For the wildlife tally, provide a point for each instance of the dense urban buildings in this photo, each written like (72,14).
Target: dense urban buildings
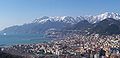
(72,46)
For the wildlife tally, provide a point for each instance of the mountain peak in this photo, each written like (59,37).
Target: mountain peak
(63,19)
(100,17)
(110,14)
(73,20)
(103,22)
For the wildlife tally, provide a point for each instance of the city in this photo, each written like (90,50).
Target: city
(59,29)
(74,46)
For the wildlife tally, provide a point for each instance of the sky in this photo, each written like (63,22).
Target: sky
(17,12)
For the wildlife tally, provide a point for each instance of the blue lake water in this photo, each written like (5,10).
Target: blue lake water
(22,39)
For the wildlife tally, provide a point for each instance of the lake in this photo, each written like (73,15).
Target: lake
(22,39)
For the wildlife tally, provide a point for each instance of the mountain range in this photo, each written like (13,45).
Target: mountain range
(106,23)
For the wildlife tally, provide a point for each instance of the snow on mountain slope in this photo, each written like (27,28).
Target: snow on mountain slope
(64,19)
(74,20)
(44,23)
(98,18)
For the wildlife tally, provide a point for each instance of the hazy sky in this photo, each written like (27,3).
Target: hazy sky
(13,12)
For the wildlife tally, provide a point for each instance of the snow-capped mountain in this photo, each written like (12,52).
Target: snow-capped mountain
(107,26)
(40,25)
(98,18)
(64,19)
(74,20)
